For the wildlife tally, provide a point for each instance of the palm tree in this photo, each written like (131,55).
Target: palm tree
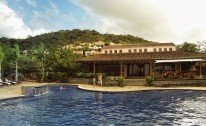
(16,56)
(1,59)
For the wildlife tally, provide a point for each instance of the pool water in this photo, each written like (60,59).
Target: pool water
(73,106)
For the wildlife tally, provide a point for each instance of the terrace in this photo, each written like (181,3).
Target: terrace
(160,65)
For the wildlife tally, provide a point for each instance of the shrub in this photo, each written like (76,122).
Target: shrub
(120,80)
(57,76)
(80,75)
(62,77)
(149,80)
(104,75)
(89,75)
(52,77)
(98,74)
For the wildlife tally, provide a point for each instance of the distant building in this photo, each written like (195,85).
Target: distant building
(150,47)
(99,43)
(79,52)
(79,47)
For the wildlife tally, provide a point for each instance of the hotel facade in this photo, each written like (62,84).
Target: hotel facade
(160,60)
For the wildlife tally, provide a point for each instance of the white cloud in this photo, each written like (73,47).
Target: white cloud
(12,25)
(32,3)
(39,31)
(156,20)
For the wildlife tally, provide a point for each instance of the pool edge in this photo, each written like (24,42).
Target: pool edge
(134,88)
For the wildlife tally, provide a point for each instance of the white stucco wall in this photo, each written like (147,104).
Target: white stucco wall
(126,49)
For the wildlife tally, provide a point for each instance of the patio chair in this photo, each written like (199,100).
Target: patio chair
(12,82)
(1,84)
(5,83)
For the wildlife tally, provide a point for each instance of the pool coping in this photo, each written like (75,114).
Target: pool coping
(134,88)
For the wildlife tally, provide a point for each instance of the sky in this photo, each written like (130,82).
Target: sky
(174,21)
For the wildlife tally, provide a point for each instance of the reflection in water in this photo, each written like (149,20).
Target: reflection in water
(98,96)
(76,107)
(193,111)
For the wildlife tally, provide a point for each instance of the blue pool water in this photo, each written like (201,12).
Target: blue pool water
(72,106)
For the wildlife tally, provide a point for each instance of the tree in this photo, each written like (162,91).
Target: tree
(188,47)
(1,59)
(41,57)
(61,63)
(106,44)
(28,64)
(16,56)
(202,46)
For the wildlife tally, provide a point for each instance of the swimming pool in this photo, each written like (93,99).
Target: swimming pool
(73,106)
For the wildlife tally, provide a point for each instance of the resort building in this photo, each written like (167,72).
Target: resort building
(160,60)
(151,47)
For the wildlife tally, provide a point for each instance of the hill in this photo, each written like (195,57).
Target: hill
(75,36)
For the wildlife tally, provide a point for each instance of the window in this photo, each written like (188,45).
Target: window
(155,50)
(140,50)
(160,49)
(105,52)
(120,51)
(135,50)
(115,51)
(170,49)
(110,51)
(129,50)
(165,49)
(145,50)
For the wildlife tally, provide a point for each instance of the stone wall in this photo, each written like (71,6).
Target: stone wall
(141,82)
(135,82)
(80,81)
(128,82)
(180,83)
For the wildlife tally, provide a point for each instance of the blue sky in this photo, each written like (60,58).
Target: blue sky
(51,14)
(155,20)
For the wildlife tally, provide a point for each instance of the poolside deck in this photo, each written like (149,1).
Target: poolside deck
(15,90)
(133,88)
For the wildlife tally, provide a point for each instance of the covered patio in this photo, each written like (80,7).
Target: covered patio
(160,65)
(126,69)
(180,69)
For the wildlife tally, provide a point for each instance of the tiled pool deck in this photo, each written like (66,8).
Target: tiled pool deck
(15,91)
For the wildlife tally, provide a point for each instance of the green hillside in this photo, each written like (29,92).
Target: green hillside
(66,37)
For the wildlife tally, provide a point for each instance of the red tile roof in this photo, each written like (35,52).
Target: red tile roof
(139,45)
(140,57)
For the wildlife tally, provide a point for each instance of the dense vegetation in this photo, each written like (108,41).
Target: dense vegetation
(43,57)
(66,37)
(40,63)
(188,47)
